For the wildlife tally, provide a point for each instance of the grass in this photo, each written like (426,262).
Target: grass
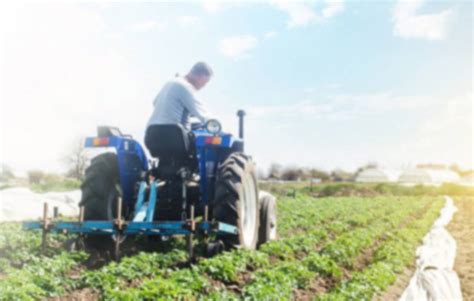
(4,186)
(57,185)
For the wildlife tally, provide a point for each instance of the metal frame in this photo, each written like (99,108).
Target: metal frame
(131,228)
(142,223)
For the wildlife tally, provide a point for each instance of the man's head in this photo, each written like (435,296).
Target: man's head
(199,75)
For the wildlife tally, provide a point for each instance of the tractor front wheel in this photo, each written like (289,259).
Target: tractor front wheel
(236,201)
(268,218)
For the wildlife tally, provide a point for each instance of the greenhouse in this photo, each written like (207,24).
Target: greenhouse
(377,175)
(428,176)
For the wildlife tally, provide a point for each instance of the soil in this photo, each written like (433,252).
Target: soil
(86,294)
(395,291)
(462,229)
(317,286)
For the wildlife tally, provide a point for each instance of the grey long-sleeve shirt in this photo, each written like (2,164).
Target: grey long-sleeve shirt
(175,103)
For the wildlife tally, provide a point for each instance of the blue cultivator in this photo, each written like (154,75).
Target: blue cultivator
(202,184)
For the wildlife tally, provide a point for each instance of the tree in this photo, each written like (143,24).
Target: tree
(261,174)
(292,174)
(466,172)
(35,176)
(340,175)
(369,165)
(76,160)
(454,167)
(315,173)
(6,173)
(275,171)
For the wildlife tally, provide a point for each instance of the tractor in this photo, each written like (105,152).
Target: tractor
(199,183)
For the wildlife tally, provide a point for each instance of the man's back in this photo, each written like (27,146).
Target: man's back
(175,103)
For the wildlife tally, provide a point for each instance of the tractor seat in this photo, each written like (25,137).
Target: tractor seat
(173,145)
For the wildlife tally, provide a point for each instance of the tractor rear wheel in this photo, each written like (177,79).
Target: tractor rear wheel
(236,201)
(100,193)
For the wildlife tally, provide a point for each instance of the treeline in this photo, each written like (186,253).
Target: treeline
(43,182)
(296,173)
(74,160)
(364,189)
(39,180)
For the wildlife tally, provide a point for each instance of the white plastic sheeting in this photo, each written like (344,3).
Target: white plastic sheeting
(17,204)
(434,278)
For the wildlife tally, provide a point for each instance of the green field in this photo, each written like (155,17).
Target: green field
(331,248)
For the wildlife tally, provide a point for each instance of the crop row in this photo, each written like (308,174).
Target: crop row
(18,247)
(320,238)
(227,267)
(250,274)
(390,258)
(328,263)
(23,248)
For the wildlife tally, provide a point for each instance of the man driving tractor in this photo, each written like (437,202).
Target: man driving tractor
(176,103)
(202,183)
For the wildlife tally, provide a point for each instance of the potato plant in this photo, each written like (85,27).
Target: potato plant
(329,248)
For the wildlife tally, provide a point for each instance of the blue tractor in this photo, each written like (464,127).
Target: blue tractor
(201,184)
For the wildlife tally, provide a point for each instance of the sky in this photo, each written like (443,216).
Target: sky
(326,84)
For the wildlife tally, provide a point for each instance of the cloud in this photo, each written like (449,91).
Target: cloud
(213,6)
(188,21)
(423,129)
(343,106)
(237,46)
(333,7)
(410,24)
(446,133)
(299,13)
(302,13)
(145,26)
(270,34)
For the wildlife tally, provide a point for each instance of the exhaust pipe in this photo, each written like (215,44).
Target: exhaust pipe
(241,114)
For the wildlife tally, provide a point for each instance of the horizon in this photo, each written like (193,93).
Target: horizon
(325,84)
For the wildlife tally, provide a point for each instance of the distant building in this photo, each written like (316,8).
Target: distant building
(428,176)
(377,175)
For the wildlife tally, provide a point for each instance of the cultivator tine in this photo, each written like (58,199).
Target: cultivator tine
(45,227)
(80,237)
(206,218)
(119,220)
(118,239)
(117,249)
(190,247)
(190,236)
(81,214)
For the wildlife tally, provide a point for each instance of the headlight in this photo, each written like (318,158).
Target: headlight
(213,126)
